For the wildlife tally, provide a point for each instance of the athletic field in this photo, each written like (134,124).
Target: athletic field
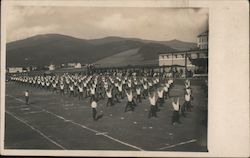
(52,121)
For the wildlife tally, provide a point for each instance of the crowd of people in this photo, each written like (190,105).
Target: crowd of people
(113,87)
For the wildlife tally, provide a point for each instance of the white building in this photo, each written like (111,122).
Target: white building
(15,69)
(172,59)
(202,40)
(78,65)
(71,64)
(178,57)
(52,67)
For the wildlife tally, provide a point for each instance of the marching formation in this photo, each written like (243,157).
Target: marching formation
(114,87)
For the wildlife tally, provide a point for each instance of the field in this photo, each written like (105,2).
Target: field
(52,121)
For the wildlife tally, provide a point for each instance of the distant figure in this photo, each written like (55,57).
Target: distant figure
(153,108)
(160,99)
(176,106)
(80,90)
(130,102)
(110,97)
(138,94)
(71,90)
(93,106)
(62,88)
(92,91)
(186,105)
(26,94)
(120,90)
(166,92)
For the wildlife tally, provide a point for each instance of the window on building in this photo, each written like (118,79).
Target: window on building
(176,56)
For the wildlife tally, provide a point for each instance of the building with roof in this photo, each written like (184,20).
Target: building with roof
(202,40)
(195,59)
(15,70)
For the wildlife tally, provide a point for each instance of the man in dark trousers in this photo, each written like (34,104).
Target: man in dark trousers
(138,94)
(152,100)
(186,105)
(93,103)
(176,106)
(130,102)
(160,99)
(26,94)
(110,97)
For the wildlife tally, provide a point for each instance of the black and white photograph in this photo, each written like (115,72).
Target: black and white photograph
(106,78)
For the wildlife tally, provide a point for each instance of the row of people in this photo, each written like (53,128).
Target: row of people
(115,87)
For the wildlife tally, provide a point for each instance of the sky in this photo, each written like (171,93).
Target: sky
(160,24)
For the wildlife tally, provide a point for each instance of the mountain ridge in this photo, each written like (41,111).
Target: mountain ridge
(45,49)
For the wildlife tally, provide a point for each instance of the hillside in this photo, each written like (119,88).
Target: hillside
(48,49)
(128,57)
(57,49)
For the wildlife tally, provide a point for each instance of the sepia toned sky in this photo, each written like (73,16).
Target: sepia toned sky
(160,24)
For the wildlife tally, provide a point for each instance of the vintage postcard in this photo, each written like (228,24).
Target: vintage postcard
(106,79)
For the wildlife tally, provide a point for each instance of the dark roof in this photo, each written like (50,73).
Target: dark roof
(203,34)
(197,50)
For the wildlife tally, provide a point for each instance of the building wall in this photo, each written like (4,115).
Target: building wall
(78,65)
(15,70)
(179,58)
(176,59)
(52,67)
(202,42)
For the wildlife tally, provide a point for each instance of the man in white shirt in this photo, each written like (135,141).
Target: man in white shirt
(110,99)
(93,103)
(186,105)
(160,99)
(115,93)
(80,90)
(71,90)
(176,106)
(145,89)
(130,102)
(85,88)
(138,94)
(92,91)
(152,100)
(62,88)
(166,91)
(188,101)
(54,87)
(189,91)
(120,90)
(26,94)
